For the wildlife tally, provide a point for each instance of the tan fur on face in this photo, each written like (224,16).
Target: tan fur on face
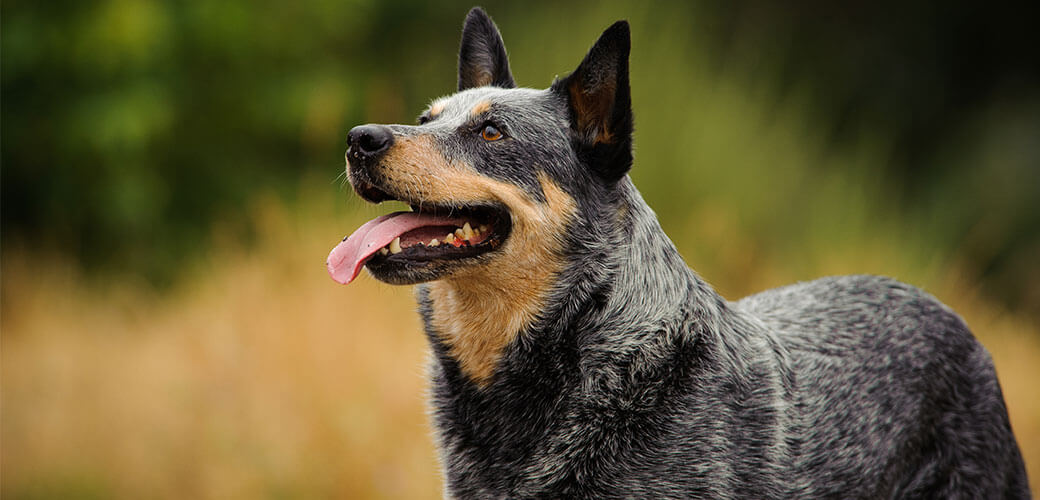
(479,310)
(481,107)
(437,107)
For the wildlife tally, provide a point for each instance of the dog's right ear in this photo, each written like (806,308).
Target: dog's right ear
(482,55)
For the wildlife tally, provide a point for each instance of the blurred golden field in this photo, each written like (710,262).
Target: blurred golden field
(258,377)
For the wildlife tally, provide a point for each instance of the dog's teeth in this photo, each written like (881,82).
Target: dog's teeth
(450,238)
(434,242)
(395,246)
(467,231)
(476,232)
(460,234)
(483,228)
(384,251)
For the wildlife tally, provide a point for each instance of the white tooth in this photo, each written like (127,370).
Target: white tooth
(460,234)
(467,231)
(395,246)
(483,228)
(434,242)
(383,251)
(450,238)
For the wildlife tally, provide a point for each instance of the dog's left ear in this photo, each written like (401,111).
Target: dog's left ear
(601,104)
(482,55)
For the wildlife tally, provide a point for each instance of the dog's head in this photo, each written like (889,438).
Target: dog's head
(495,175)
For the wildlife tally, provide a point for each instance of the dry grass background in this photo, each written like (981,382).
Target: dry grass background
(258,377)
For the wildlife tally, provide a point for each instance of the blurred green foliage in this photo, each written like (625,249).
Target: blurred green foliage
(130,126)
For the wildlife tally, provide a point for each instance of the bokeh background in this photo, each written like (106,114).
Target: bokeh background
(171,186)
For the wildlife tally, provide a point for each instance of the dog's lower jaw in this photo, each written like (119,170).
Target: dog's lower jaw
(413,275)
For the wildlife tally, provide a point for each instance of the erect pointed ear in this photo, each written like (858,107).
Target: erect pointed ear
(482,55)
(601,104)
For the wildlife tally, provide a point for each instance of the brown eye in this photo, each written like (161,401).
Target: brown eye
(490,133)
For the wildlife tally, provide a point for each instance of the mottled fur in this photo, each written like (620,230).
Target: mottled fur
(627,376)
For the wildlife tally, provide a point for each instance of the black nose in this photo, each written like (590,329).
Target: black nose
(366,142)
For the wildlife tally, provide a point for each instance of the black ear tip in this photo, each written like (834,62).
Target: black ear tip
(621,27)
(619,33)
(617,38)
(478,22)
(477,14)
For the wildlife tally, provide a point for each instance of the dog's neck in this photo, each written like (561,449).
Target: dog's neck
(618,275)
(650,282)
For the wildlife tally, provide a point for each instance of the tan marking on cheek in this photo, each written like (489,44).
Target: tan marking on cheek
(480,310)
(415,167)
(481,107)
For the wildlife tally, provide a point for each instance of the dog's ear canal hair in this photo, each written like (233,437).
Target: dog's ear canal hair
(600,102)
(482,54)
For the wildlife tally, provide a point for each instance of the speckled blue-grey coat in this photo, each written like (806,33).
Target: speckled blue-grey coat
(577,356)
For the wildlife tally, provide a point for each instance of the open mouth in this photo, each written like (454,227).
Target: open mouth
(428,235)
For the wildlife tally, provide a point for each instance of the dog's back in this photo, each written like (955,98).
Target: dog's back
(887,379)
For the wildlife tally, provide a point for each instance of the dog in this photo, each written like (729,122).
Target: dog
(575,355)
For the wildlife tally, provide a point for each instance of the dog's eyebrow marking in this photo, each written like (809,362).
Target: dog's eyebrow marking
(481,107)
(437,107)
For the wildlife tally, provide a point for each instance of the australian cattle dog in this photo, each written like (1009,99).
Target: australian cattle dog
(575,355)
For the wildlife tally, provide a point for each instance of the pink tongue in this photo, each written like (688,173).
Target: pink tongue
(345,261)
